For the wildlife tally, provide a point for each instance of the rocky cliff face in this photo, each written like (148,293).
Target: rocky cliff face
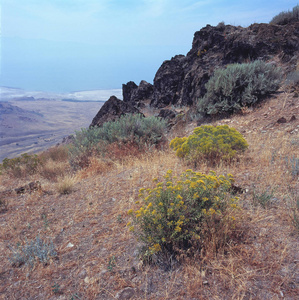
(181,80)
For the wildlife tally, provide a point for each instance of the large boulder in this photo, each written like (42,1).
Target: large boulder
(112,110)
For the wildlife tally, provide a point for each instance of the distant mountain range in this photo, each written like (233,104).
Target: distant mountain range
(9,93)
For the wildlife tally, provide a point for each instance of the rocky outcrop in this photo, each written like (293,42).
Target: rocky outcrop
(136,95)
(167,114)
(181,80)
(111,110)
(128,90)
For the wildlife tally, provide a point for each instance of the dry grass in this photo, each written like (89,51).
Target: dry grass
(66,184)
(97,256)
(52,170)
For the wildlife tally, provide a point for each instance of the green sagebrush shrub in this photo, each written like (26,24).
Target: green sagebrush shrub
(133,128)
(26,164)
(211,143)
(183,213)
(286,17)
(238,86)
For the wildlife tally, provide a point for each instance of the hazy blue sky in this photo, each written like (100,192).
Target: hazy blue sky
(71,45)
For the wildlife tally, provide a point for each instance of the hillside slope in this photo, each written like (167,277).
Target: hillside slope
(97,255)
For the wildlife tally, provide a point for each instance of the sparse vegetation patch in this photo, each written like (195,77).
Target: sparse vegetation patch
(30,252)
(26,164)
(286,17)
(130,128)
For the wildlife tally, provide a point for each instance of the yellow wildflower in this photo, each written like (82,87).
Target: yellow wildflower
(179,223)
(211,211)
(178,229)
(155,248)
(193,185)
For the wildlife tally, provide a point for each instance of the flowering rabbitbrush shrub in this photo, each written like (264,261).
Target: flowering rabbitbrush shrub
(183,213)
(211,143)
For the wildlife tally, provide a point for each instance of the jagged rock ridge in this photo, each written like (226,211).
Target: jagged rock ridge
(181,80)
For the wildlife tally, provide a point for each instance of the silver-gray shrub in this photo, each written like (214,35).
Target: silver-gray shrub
(143,131)
(286,17)
(239,85)
(30,252)
(135,128)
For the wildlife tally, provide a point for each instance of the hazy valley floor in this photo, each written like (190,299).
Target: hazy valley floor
(33,126)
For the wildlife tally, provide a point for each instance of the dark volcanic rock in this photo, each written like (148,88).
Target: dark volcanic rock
(168,82)
(111,110)
(128,90)
(135,95)
(143,92)
(167,114)
(281,120)
(30,188)
(181,80)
